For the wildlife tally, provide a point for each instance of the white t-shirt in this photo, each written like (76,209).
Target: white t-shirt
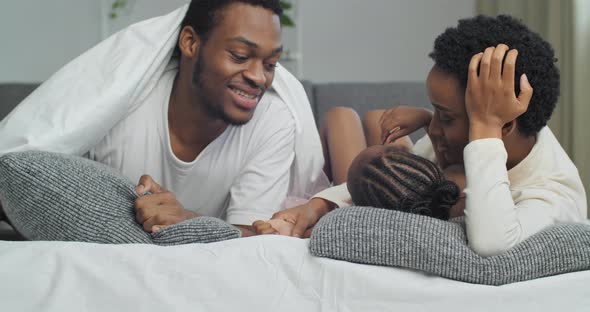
(504,207)
(242,176)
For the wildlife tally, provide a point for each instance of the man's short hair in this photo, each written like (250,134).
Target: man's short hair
(204,15)
(454,48)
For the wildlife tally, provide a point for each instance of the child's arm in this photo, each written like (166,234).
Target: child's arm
(398,122)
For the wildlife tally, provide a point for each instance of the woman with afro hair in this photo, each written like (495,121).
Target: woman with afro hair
(493,87)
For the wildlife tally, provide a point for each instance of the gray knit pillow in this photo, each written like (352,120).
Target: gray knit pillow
(398,239)
(49,196)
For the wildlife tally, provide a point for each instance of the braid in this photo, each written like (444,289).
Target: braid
(398,180)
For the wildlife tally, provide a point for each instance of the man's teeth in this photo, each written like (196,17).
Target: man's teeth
(246,95)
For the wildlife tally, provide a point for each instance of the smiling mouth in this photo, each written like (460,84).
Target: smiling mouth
(243,94)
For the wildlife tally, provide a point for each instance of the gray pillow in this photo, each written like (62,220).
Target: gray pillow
(392,238)
(49,196)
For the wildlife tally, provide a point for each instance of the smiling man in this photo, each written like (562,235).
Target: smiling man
(211,131)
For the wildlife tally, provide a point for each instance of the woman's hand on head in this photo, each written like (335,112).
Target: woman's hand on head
(490,98)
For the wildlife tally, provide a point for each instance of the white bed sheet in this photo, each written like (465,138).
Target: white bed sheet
(264,273)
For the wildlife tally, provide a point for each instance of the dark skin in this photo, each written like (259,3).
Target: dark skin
(219,83)
(492,105)
(487,108)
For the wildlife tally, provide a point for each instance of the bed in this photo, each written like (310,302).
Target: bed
(263,273)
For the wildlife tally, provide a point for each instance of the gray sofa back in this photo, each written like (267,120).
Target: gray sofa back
(13,93)
(364,97)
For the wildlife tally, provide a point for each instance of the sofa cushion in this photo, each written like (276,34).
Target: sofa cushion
(49,196)
(399,239)
(7,233)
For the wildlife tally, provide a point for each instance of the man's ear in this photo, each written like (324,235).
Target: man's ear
(189,42)
(509,128)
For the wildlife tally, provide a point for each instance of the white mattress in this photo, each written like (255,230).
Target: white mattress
(264,273)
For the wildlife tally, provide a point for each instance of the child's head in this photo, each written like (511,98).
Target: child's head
(386,177)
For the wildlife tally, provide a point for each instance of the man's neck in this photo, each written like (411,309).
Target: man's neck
(190,125)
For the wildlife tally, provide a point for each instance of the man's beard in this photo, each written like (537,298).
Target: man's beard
(215,111)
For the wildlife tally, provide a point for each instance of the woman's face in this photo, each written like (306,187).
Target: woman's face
(449,128)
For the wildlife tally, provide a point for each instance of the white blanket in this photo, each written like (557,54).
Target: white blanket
(264,273)
(73,110)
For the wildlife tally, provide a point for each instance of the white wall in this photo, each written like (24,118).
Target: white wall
(38,37)
(339,40)
(138,10)
(373,40)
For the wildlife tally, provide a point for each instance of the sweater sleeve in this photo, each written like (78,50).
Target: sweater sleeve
(494,221)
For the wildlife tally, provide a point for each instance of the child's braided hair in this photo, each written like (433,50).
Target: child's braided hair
(398,180)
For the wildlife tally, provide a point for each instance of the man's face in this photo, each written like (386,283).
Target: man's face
(449,128)
(236,64)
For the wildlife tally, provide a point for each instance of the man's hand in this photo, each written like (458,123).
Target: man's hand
(490,99)
(158,209)
(305,216)
(401,121)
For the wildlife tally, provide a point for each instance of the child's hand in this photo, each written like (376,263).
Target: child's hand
(263,228)
(283,227)
(490,99)
(275,226)
(400,121)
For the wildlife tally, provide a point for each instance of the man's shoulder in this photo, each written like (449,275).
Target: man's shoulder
(157,94)
(272,109)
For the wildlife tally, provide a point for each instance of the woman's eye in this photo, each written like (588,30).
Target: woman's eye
(271,66)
